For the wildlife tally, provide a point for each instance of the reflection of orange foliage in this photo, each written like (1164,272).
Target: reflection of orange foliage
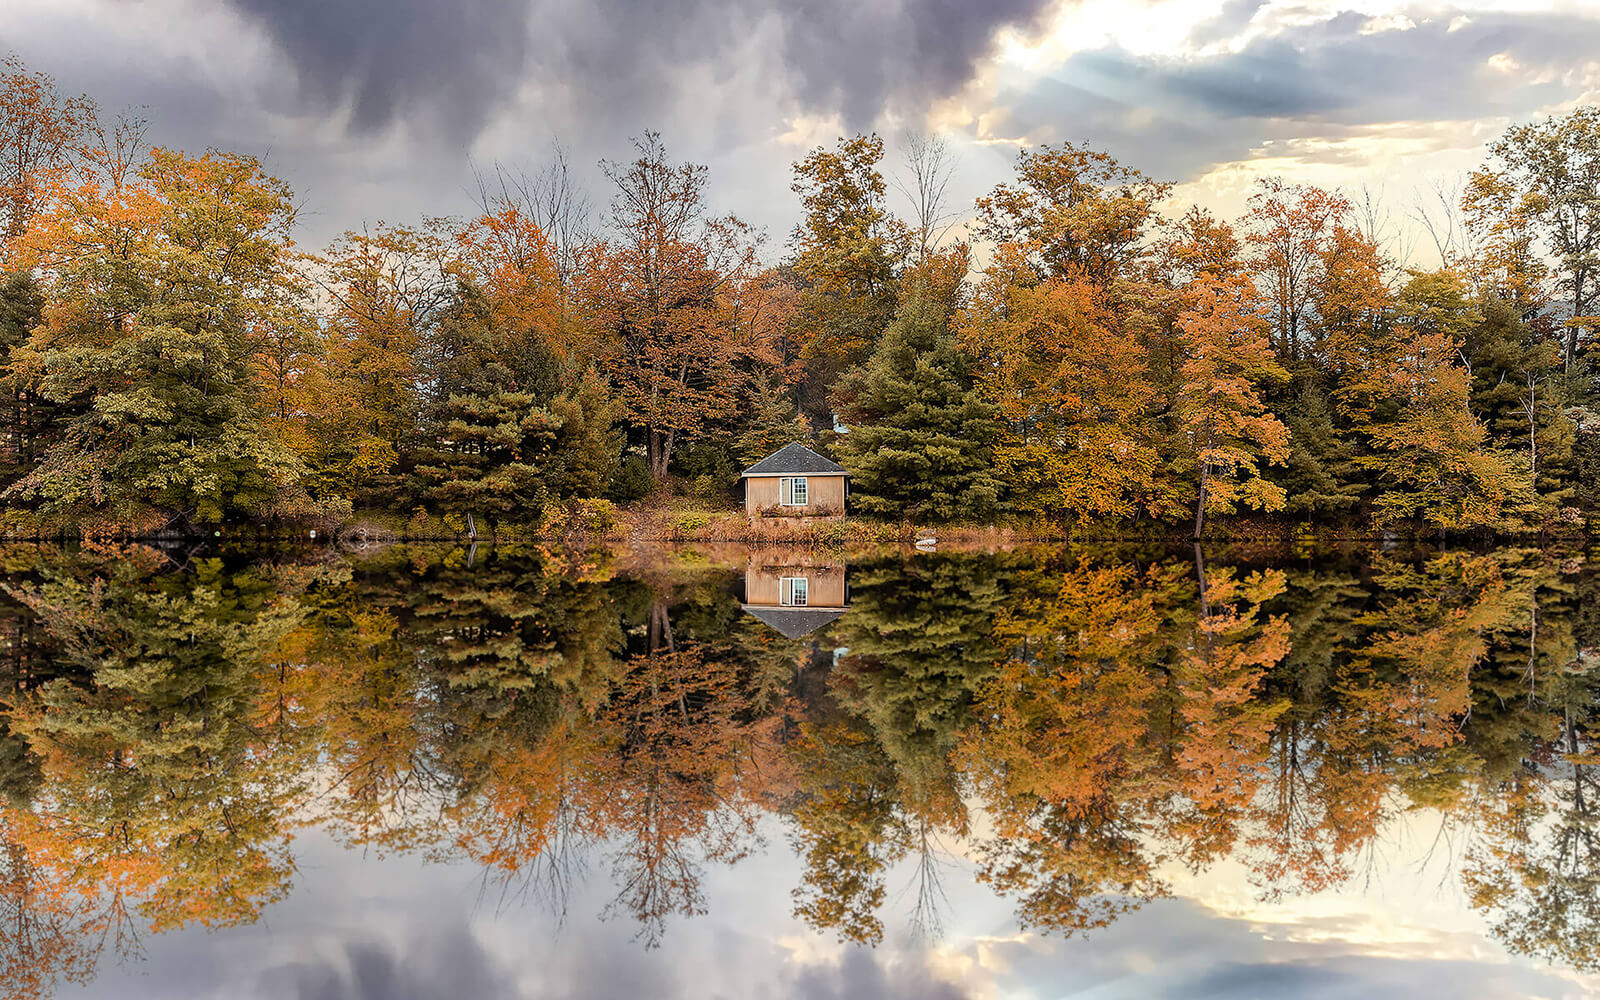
(1227,722)
(1133,719)
(680,787)
(1070,713)
(1067,765)
(1403,692)
(531,798)
(51,931)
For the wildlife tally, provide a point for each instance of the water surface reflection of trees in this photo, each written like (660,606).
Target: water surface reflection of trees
(171,722)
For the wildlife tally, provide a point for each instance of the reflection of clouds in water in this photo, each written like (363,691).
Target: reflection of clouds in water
(438,962)
(361,929)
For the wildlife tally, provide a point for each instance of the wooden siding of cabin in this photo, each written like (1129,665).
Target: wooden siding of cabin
(824,492)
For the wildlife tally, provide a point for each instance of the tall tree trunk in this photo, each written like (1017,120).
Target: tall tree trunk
(1577,310)
(1200,501)
(1533,430)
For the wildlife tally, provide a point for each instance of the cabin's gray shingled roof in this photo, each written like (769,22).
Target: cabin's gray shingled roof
(794,622)
(795,458)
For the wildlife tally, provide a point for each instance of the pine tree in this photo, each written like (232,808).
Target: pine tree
(1322,478)
(1517,375)
(589,443)
(774,422)
(488,434)
(920,437)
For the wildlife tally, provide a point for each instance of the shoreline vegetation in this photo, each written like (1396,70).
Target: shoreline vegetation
(1078,358)
(601,525)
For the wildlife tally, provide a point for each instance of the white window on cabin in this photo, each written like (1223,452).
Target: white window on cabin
(793,591)
(793,492)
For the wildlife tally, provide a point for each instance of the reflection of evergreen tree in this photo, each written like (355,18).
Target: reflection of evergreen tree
(1532,650)
(1322,606)
(920,636)
(456,664)
(165,776)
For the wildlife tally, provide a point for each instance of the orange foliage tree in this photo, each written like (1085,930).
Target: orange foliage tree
(1223,421)
(1070,380)
(1286,229)
(42,135)
(659,291)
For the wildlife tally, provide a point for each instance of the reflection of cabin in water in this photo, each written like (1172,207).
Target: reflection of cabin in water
(793,593)
(794,481)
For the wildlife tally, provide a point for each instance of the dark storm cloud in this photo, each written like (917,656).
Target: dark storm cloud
(388,58)
(457,61)
(856,57)
(1175,117)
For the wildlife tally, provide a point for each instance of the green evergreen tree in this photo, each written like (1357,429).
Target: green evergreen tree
(589,442)
(920,437)
(488,435)
(774,422)
(1322,478)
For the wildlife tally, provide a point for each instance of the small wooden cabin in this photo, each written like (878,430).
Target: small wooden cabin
(795,481)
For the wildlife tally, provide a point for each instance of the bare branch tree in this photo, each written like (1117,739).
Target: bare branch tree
(1376,222)
(927,919)
(120,148)
(552,197)
(1438,212)
(930,165)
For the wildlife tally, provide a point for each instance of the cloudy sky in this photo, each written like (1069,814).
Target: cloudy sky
(379,109)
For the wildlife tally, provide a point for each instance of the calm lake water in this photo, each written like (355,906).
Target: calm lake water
(1044,772)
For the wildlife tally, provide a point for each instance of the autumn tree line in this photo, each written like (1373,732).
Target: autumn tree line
(1073,722)
(1074,349)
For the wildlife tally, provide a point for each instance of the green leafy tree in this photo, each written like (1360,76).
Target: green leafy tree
(1552,168)
(159,295)
(849,255)
(28,418)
